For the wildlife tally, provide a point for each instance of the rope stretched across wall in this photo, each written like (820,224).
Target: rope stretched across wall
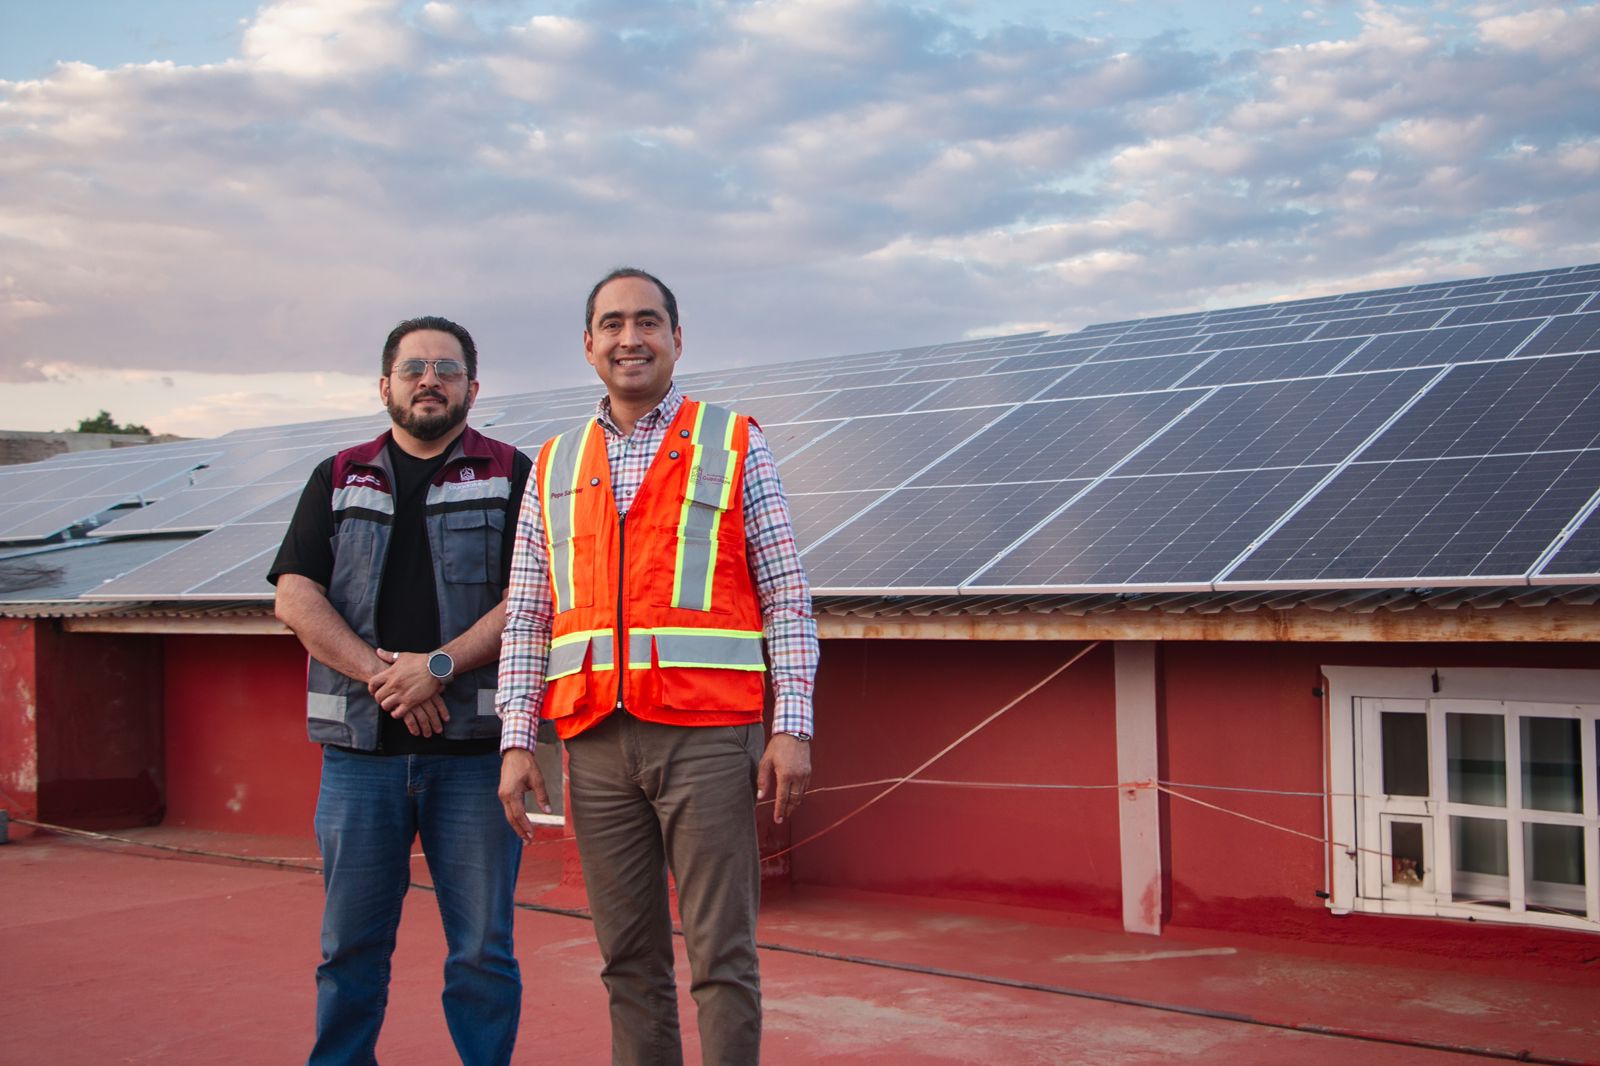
(947,749)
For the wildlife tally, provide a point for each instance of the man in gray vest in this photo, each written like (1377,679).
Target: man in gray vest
(393,574)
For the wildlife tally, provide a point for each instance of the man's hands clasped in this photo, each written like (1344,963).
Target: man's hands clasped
(406,689)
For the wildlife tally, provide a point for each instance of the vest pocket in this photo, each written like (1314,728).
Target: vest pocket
(355,550)
(711,690)
(472,546)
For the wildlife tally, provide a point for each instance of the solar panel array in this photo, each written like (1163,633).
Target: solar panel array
(1430,435)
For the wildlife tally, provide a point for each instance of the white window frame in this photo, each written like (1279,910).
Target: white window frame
(1358,877)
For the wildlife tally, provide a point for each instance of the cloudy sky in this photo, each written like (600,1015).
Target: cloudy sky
(211,211)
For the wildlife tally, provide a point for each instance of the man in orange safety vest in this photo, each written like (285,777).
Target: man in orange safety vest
(655,589)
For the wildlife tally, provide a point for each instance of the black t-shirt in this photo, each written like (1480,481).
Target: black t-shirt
(408,603)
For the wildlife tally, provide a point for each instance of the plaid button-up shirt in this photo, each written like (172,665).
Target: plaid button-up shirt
(786,622)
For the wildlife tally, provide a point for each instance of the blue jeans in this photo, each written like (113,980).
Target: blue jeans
(369,810)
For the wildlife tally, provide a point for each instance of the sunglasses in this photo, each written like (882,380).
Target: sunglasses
(445,369)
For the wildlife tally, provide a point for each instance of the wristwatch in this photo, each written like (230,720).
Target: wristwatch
(441,666)
(803,737)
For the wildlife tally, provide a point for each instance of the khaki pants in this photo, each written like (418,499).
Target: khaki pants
(646,798)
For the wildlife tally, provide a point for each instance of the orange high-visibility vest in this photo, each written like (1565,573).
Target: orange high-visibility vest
(657,611)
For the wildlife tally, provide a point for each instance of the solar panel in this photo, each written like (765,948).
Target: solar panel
(947,371)
(1488,291)
(1306,359)
(1440,432)
(48,498)
(1446,344)
(1499,312)
(1582,287)
(1249,315)
(1102,433)
(1125,375)
(856,379)
(817,514)
(991,389)
(840,459)
(1578,558)
(880,399)
(776,409)
(1136,349)
(957,532)
(64,572)
(787,441)
(1310,421)
(1052,360)
(1357,327)
(1567,333)
(1474,520)
(226,553)
(1427,302)
(1171,531)
(1524,405)
(1250,338)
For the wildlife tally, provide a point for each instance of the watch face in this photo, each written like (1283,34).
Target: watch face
(440,664)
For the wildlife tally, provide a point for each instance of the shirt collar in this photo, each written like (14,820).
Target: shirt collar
(659,415)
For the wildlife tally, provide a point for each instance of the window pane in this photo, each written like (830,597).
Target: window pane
(1552,772)
(1405,754)
(1479,845)
(1480,863)
(1555,866)
(1405,853)
(1475,747)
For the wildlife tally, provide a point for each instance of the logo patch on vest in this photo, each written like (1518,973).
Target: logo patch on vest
(356,478)
(706,474)
(564,493)
(468,474)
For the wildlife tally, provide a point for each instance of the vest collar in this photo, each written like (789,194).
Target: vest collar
(469,445)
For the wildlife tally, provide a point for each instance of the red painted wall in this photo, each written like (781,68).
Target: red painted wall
(1237,715)
(1246,716)
(886,706)
(237,755)
(19,742)
(100,760)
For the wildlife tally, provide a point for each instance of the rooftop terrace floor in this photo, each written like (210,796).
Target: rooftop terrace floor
(112,952)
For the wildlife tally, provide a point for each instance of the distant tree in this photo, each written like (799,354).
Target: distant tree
(104,423)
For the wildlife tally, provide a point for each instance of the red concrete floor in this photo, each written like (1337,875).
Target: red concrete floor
(117,953)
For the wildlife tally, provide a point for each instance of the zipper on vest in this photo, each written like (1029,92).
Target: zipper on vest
(619,652)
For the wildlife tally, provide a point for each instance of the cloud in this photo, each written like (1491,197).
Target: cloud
(814,176)
(1550,31)
(327,39)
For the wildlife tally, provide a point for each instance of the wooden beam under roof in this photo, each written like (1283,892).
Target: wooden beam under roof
(1551,623)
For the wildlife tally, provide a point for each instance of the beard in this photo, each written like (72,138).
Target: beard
(427,427)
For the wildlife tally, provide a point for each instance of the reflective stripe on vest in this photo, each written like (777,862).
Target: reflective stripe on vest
(568,652)
(347,497)
(717,649)
(559,503)
(705,501)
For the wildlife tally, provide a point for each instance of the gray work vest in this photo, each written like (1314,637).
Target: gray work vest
(465,517)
